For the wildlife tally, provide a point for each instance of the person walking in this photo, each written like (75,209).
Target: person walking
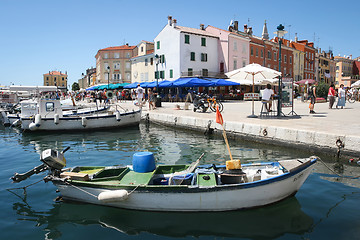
(312,95)
(151,99)
(341,97)
(140,95)
(331,95)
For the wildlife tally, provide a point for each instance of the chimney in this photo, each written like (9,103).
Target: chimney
(169,20)
(127,44)
(236,25)
(245,28)
(350,56)
(202,26)
(250,32)
(174,23)
(296,38)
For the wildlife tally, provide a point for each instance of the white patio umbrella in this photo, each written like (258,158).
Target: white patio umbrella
(254,72)
(356,84)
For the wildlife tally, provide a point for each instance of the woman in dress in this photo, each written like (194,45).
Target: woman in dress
(341,97)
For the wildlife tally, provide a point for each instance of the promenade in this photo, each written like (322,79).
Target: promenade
(318,132)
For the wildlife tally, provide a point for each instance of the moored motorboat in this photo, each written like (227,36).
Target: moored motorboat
(50,117)
(145,186)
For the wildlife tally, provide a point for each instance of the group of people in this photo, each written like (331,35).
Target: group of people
(151,96)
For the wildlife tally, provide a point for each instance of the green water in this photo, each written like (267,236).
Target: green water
(324,208)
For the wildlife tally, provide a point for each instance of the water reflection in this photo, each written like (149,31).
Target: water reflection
(268,222)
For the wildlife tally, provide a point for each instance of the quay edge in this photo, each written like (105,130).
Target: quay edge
(315,142)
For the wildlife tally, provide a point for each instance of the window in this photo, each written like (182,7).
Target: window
(127,55)
(235,64)
(204,57)
(262,53)
(128,76)
(275,56)
(252,51)
(190,71)
(290,59)
(162,74)
(235,46)
(203,42)
(192,56)
(116,55)
(63,78)
(162,58)
(257,52)
(116,65)
(47,78)
(269,55)
(171,73)
(50,106)
(127,65)
(187,39)
(106,55)
(146,61)
(244,63)
(205,72)
(158,45)
(142,49)
(285,58)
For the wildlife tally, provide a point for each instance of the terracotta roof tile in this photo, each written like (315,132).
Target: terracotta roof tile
(123,47)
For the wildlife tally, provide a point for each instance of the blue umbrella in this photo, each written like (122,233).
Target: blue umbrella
(162,84)
(132,85)
(192,82)
(222,82)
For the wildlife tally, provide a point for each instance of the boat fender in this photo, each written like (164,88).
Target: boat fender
(117,114)
(37,120)
(112,196)
(56,118)
(32,126)
(83,121)
(109,94)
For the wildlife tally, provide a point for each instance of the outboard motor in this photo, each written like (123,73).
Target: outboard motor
(52,160)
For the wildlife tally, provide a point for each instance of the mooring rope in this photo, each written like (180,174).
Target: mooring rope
(337,174)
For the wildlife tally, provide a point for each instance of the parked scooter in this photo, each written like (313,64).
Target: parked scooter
(200,103)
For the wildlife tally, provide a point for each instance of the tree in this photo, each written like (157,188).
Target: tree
(322,89)
(75,86)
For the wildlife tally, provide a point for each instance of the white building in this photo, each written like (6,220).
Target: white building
(185,52)
(142,65)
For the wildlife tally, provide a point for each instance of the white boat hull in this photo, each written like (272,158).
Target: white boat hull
(95,121)
(195,198)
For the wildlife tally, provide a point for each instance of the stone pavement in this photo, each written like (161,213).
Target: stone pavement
(321,130)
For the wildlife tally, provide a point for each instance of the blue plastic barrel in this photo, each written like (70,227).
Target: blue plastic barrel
(143,162)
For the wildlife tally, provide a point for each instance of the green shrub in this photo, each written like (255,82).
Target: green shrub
(322,89)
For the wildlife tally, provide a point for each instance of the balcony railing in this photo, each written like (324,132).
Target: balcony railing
(203,74)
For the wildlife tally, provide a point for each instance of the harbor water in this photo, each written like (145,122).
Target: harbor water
(326,206)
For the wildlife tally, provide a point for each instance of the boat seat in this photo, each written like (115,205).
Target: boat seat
(136,178)
(206,179)
(292,165)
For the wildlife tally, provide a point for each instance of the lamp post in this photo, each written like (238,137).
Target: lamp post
(280,34)
(157,60)
(108,72)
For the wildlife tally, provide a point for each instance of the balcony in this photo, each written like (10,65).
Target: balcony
(203,74)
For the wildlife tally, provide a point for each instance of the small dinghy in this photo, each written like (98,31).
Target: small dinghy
(145,186)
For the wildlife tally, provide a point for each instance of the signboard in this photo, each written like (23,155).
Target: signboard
(287,94)
(249,96)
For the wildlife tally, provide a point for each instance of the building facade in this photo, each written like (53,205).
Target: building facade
(113,64)
(324,64)
(142,65)
(88,79)
(186,52)
(233,48)
(309,56)
(56,78)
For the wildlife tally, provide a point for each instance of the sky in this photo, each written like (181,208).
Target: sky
(38,36)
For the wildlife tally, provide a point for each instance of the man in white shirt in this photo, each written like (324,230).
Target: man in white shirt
(266,97)
(140,95)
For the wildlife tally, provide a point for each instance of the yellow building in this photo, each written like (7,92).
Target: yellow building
(56,78)
(325,67)
(113,64)
(298,64)
(143,65)
(344,70)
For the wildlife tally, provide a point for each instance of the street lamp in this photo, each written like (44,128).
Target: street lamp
(157,61)
(108,72)
(280,34)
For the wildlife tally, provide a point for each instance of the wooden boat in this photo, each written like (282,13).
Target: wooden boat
(51,117)
(144,186)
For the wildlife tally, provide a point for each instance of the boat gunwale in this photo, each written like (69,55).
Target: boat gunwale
(188,188)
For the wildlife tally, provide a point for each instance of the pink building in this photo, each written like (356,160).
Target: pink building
(233,49)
